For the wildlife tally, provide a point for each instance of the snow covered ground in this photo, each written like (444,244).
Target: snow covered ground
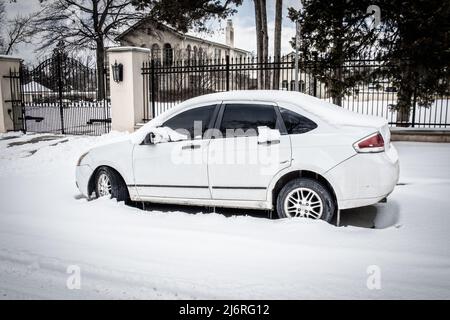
(46,229)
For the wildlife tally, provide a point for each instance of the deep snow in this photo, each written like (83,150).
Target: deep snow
(125,252)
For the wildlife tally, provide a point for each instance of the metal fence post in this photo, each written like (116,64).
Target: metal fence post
(21,98)
(60,88)
(414,107)
(153,87)
(315,55)
(227,70)
(105,100)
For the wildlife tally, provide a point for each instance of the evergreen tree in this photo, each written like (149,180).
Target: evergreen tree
(416,45)
(336,30)
(412,39)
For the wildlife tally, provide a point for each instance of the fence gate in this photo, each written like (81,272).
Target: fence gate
(61,95)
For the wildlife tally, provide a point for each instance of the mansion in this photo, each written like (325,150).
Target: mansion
(168,45)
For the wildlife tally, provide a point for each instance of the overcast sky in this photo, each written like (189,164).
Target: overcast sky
(244,26)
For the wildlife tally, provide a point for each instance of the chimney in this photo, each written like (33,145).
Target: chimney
(230,33)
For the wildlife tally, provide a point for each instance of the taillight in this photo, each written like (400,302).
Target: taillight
(372,143)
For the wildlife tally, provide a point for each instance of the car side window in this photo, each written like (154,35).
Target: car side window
(296,123)
(244,119)
(195,121)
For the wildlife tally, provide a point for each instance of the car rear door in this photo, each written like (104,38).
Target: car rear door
(239,167)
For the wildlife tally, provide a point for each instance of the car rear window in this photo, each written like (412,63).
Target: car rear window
(296,123)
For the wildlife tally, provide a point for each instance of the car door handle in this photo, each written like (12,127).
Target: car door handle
(190,147)
(268,143)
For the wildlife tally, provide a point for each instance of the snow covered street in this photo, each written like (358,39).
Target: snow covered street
(124,252)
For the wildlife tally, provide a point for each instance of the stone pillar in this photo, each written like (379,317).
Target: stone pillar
(127,99)
(7,63)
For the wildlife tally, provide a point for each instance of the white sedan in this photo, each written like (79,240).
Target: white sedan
(274,150)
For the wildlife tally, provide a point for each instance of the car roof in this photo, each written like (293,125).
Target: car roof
(322,109)
(325,110)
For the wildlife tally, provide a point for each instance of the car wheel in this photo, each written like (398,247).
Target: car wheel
(305,198)
(109,184)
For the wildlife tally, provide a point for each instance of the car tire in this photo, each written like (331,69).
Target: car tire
(107,178)
(304,197)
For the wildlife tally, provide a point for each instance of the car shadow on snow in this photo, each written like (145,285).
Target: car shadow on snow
(378,216)
(227,212)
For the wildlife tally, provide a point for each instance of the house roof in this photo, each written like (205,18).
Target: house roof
(34,87)
(173,30)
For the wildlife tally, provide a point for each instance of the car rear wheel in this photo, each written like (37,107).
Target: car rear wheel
(109,184)
(305,198)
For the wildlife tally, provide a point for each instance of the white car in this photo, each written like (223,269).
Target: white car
(274,150)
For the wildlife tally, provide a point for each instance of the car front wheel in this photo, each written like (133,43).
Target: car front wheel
(306,198)
(109,184)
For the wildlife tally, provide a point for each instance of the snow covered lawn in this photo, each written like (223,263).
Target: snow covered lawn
(125,252)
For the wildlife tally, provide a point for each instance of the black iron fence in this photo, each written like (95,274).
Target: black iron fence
(60,95)
(363,86)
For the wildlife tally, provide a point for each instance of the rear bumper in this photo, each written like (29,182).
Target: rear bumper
(365,179)
(83,173)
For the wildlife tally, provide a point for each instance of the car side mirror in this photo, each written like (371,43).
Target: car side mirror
(151,138)
(163,134)
(268,136)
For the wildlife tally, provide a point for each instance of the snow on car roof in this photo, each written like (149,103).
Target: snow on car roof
(326,111)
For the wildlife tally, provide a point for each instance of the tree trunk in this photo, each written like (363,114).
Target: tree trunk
(265,37)
(259,41)
(277,43)
(336,90)
(404,97)
(100,52)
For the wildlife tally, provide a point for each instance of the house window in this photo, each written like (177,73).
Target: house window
(217,53)
(195,53)
(292,85)
(284,85)
(188,53)
(167,55)
(156,52)
(200,54)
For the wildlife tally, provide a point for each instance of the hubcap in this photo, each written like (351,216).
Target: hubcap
(104,185)
(303,202)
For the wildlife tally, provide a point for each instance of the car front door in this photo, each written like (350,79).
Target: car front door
(176,169)
(240,167)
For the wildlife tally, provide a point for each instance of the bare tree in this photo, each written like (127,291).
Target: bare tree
(2,22)
(277,42)
(85,24)
(18,31)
